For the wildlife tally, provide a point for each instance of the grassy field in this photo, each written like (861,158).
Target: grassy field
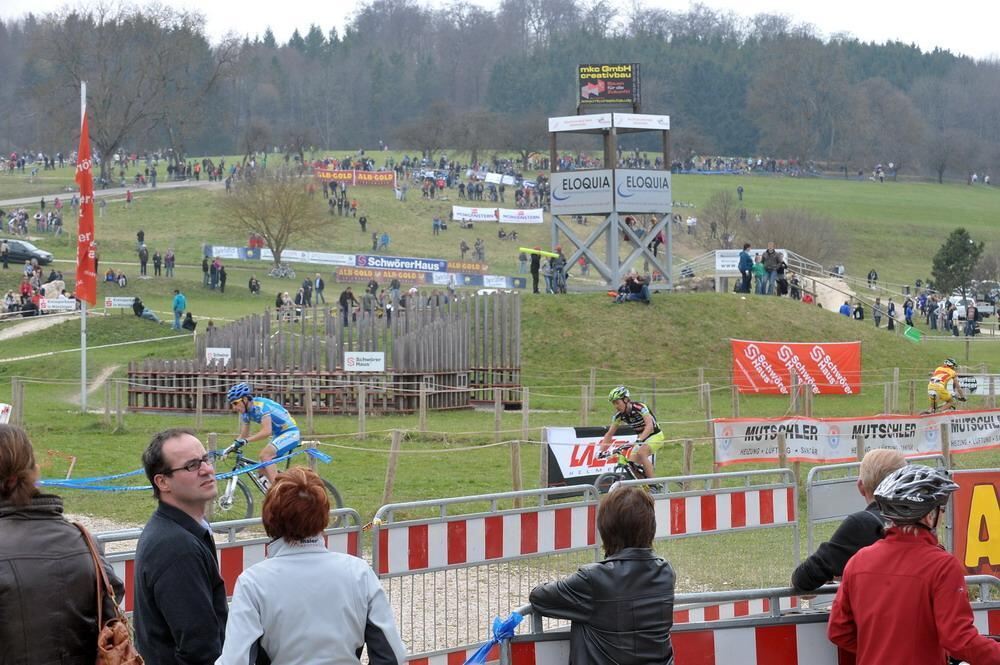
(657,350)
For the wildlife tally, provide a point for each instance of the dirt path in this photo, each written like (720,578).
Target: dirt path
(33,324)
(96,384)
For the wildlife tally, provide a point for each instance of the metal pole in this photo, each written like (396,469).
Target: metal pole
(83,304)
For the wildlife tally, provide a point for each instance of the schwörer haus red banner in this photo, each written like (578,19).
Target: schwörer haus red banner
(829,368)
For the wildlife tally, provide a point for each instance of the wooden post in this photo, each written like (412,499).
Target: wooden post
(17,408)
(707,392)
(993,397)
(968,344)
(309,406)
(119,410)
(362,412)
(107,404)
(390,470)
(213,448)
(809,402)
(859,445)
(497,416)
(886,398)
(515,469)
(701,382)
(782,451)
(895,390)
(593,382)
(423,407)
(793,395)
(736,401)
(653,388)
(199,397)
(687,462)
(583,405)
(913,396)
(312,460)
(946,444)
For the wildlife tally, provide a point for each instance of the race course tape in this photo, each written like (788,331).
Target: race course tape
(88,483)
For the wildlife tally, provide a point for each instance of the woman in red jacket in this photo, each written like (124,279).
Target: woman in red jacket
(903,600)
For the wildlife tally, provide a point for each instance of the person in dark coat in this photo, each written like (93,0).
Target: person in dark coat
(621,609)
(536,264)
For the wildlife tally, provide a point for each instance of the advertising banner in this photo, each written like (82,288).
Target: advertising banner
(400,263)
(640,121)
(592,121)
(609,84)
(351,274)
(220,354)
(354,177)
(976,514)
(979,384)
(467,214)
(572,453)
(639,190)
(474,267)
(728,260)
(499,179)
(828,368)
(833,440)
(364,361)
(521,216)
(119,302)
(582,192)
(61,305)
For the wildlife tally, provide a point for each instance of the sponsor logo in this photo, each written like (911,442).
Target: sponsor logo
(636,182)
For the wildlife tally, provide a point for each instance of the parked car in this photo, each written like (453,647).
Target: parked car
(19,251)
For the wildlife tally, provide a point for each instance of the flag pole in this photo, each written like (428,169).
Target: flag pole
(83,303)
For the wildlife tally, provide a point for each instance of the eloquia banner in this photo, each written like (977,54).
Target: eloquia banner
(829,368)
(833,440)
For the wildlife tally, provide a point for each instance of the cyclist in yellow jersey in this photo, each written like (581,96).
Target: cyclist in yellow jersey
(637,416)
(944,386)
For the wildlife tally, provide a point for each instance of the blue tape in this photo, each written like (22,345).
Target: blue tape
(503,629)
(322,457)
(94,479)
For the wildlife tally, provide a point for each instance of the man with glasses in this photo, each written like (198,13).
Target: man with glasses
(180,597)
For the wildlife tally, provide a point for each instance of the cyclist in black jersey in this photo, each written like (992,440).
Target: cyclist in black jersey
(637,416)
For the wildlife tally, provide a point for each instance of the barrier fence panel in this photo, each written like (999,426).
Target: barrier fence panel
(234,554)
(728,512)
(832,493)
(450,565)
(790,639)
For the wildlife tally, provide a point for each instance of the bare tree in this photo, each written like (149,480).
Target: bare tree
(254,138)
(274,206)
(430,133)
(721,216)
(801,231)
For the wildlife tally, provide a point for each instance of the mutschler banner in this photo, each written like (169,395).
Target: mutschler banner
(833,440)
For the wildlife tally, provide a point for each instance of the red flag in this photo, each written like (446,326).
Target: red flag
(86,276)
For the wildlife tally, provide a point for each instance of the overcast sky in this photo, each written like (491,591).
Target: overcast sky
(967,28)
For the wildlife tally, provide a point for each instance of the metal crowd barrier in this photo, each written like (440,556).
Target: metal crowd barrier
(790,638)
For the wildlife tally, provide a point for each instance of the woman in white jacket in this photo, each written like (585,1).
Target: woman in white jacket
(305,605)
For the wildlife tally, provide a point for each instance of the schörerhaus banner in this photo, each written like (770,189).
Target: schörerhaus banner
(833,440)
(829,368)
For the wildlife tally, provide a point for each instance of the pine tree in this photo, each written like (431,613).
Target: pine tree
(955,261)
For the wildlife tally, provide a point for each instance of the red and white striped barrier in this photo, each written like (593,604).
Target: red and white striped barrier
(734,610)
(457,657)
(458,542)
(233,559)
(708,513)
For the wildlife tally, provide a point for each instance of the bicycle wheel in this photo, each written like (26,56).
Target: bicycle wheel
(605,481)
(237,507)
(335,502)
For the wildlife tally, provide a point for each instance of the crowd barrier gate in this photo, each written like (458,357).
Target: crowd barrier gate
(790,639)
(236,554)
(832,494)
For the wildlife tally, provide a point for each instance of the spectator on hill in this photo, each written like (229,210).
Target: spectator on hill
(204,271)
(318,287)
(746,268)
(620,609)
(794,288)
(189,323)
(877,312)
(890,312)
(222,278)
(122,279)
(760,275)
(872,278)
(143,259)
(143,312)
(858,530)
(971,317)
(634,289)
(536,264)
(347,303)
(908,312)
(254,285)
(48,586)
(383,242)
(771,259)
(463,248)
(859,312)
(845,309)
(157,263)
(782,284)
(179,306)
(169,260)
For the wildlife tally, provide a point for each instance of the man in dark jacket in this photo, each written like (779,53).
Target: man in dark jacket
(745,268)
(858,530)
(771,259)
(180,598)
(621,609)
(536,264)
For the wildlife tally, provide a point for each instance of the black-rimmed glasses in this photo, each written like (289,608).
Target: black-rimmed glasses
(191,466)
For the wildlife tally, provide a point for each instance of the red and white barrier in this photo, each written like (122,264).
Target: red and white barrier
(734,610)
(710,513)
(457,657)
(460,542)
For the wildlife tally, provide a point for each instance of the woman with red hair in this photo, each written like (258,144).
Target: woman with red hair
(305,604)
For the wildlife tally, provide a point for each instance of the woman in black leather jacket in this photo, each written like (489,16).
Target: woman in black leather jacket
(47,580)
(621,609)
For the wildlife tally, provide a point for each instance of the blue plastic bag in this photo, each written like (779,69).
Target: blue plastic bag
(503,629)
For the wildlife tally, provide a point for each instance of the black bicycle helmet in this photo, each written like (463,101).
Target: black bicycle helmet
(909,493)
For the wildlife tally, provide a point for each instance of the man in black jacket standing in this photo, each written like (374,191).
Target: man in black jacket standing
(858,530)
(536,264)
(180,598)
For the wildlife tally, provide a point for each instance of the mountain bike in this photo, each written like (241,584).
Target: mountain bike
(625,469)
(282,271)
(235,502)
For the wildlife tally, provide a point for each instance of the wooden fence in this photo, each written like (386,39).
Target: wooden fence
(452,355)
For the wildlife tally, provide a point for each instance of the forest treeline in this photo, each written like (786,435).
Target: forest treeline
(415,77)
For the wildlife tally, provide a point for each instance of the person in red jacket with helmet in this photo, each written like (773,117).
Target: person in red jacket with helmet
(903,600)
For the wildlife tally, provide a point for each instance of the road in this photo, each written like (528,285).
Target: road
(112,192)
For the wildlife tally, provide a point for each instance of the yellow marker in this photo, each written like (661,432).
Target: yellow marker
(540,252)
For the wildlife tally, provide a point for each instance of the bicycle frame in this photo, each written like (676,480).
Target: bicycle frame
(240,463)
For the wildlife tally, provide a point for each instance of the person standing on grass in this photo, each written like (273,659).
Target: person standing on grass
(157,263)
(179,306)
(168,262)
(318,287)
(877,312)
(222,278)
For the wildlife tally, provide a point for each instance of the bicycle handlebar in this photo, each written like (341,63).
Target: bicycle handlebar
(616,450)
(235,447)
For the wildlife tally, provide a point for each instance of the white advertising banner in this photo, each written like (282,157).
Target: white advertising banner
(641,121)
(643,190)
(569,123)
(520,216)
(728,260)
(573,453)
(5,411)
(833,440)
(498,179)
(977,384)
(221,354)
(225,252)
(301,256)
(467,214)
(62,305)
(582,192)
(119,302)
(364,361)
